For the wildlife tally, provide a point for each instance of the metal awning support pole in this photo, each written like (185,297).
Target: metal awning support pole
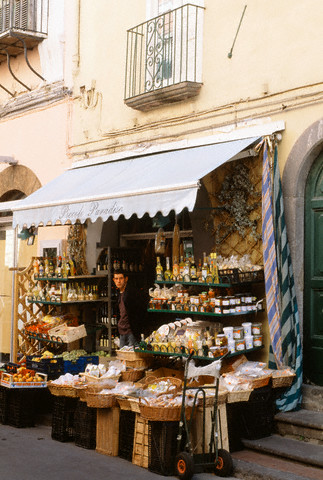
(13,339)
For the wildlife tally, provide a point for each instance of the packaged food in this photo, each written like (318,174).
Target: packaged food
(248,341)
(221,340)
(228,332)
(240,344)
(257,340)
(256,328)
(237,333)
(247,329)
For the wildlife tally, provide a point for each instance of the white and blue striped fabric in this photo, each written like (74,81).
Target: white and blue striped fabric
(289,321)
(270,262)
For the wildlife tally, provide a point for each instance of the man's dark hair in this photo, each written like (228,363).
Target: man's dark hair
(119,271)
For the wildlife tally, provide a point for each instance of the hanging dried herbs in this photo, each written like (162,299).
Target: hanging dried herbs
(237,205)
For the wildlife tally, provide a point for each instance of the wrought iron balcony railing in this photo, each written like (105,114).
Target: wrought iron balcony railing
(164,58)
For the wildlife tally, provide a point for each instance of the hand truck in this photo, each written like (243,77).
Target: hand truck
(217,459)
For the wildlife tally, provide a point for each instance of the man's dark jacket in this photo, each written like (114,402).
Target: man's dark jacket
(135,307)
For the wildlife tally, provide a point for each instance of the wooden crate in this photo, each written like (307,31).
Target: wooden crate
(140,455)
(197,428)
(107,431)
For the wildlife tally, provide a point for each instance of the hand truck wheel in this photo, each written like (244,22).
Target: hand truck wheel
(224,466)
(184,466)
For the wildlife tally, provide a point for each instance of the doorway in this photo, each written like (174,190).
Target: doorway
(313,277)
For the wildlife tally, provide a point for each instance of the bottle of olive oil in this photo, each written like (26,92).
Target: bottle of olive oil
(159,271)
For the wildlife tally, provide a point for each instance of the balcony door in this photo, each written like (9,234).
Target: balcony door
(170,53)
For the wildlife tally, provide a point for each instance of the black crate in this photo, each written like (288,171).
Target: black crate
(162,447)
(52,367)
(4,401)
(255,276)
(126,434)
(63,419)
(251,420)
(12,367)
(85,426)
(257,414)
(229,275)
(21,407)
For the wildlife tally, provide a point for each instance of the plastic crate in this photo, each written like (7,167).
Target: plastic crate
(257,414)
(85,426)
(126,434)
(63,419)
(162,447)
(229,275)
(4,393)
(52,367)
(12,367)
(255,276)
(79,365)
(21,408)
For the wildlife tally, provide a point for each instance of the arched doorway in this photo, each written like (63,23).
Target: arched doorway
(301,162)
(313,269)
(16,182)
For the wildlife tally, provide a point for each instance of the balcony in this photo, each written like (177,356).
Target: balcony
(164,59)
(22,23)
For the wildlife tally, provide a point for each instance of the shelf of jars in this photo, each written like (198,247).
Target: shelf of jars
(169,351)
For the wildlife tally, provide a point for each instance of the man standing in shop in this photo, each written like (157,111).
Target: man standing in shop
(131,310)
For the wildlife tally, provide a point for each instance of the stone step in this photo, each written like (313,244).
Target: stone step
(291,449)
(312,397)
(303,424)
(252,465)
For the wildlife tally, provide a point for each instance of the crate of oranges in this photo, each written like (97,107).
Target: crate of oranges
(24,378)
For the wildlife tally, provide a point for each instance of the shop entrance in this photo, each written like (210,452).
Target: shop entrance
(313,268)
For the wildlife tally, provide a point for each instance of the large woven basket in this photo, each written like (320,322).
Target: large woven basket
(65,390)
(174,387)
(130,355)
(282,381)
(162,414)
(132,375)
(128,403)
(238,396)
(100,400)
(260,381)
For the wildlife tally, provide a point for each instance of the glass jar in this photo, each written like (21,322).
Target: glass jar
(238,333)
(257,340)
(256,328)
(221,340)
(240,345)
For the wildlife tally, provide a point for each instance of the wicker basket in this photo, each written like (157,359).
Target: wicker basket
(99,400)
(238,396)
(174,382)
(282,381)
(128,403)
(162,414)
(132,356)
(260,381)
(65,390)
(132,375)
